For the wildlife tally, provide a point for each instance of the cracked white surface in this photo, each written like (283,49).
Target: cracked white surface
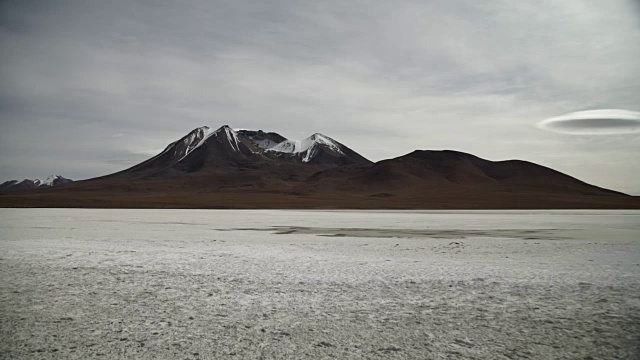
(166,284)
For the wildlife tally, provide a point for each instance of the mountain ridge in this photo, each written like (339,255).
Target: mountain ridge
(52,180)
(227,148)
(226,168)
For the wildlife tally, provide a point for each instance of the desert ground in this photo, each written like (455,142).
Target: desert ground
(285,284)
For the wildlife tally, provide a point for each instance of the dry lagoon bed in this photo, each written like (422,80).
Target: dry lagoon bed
(215,284)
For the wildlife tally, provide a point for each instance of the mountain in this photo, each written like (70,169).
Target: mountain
(50,181)
(15,184)
(207,150)
(225,168)
(428,170)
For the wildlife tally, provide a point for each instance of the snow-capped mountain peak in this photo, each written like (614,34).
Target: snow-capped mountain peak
(231,135)
(199,137)
(318,138)
(204,148)
(264,141)
(188,143)
(196,138)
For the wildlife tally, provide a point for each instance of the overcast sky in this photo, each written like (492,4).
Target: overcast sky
(91,87)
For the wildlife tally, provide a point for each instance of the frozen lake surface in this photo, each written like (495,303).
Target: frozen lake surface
(216,284)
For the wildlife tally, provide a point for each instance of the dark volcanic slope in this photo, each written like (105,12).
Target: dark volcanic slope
(200,148)
(423,170)
(254,169)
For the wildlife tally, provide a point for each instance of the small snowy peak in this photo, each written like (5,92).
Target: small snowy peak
(308,146)
(323,139)
(51,180)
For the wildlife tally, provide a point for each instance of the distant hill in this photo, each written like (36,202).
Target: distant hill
(224,168)
(50,181)
(427,170)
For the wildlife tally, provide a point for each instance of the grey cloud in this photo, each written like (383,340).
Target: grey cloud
(383,77)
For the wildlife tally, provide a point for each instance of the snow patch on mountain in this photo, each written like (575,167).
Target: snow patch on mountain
(231,136)
(49,181)
(295,146)
(194,140)
(288,146)
(318,138)
(199,137)
(307,147)
(304,151)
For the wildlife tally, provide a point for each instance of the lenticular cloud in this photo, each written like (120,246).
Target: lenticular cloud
(594,122)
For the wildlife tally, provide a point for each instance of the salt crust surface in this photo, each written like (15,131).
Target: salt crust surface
(211,284)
